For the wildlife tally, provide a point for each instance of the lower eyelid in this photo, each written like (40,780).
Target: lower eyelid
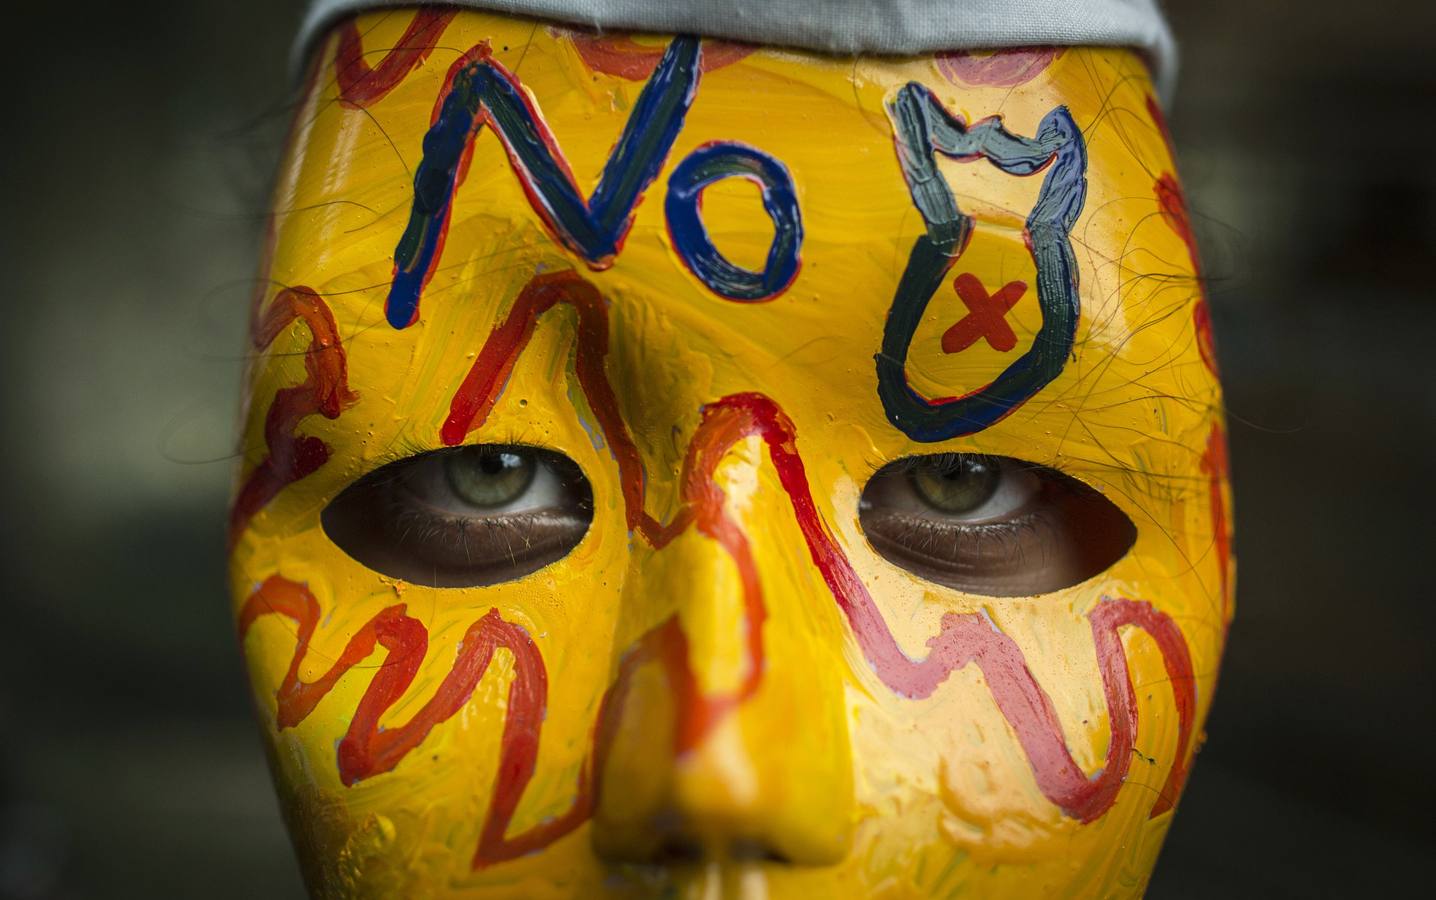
(991,560)
(456,543)
(509,522)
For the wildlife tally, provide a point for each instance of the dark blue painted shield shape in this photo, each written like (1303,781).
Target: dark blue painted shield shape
(923,129)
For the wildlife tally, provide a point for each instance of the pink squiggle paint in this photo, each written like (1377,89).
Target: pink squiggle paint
(1008,67)
(972,638)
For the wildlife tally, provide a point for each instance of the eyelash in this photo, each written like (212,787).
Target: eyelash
(873,464)
(455,531)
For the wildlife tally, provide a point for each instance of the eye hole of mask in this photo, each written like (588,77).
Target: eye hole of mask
(469,516)
(991,525)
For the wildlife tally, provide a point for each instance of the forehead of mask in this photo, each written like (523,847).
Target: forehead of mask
(1135,369)
(1130,413)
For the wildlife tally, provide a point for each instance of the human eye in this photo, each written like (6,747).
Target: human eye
(991,525)
(463,517)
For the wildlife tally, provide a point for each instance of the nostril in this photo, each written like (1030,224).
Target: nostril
(683,849)
(677,851)
(756,851)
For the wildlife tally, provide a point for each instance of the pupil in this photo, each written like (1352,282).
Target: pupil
(487,477)
(494,463)
(956,485)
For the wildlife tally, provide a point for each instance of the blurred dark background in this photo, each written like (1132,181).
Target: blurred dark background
(137,154)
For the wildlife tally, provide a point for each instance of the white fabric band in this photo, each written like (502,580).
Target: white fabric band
(844,27)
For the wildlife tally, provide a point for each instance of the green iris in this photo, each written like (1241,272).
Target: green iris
(487,477)
(955,484)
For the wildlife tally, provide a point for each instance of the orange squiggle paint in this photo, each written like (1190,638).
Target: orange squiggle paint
(367,750)
(1172,203)
(1215,466)
(325,391)
(360,84)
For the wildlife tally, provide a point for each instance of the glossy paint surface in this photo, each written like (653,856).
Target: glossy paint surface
(731,284)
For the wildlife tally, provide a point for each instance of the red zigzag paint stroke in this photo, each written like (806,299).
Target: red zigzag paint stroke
(1172,203)
(325,391)
(1215,467)
(961,639)
(360,84)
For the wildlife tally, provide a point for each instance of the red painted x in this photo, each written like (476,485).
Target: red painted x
(986,316)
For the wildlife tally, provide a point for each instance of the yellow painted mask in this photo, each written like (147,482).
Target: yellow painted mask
(675,468)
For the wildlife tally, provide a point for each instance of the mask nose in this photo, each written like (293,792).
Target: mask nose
(729,737)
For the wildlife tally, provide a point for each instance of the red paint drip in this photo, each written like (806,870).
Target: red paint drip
(623,57)
(1154,110)
(1206,344)
(325,391)
(1215,466)
(360,84)
(1172,203)
(1008,67)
